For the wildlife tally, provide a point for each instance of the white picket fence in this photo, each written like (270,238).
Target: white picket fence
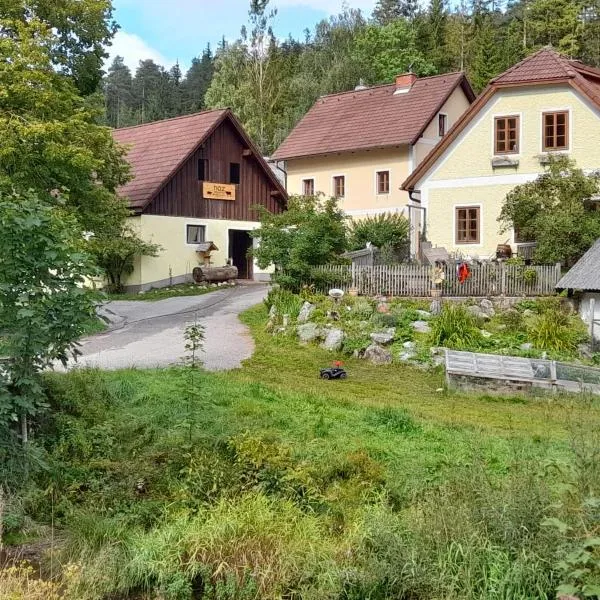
(487,279)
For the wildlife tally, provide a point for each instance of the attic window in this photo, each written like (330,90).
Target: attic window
(203,169)
(556,130)
(506,135)
(442,124)
(234,172)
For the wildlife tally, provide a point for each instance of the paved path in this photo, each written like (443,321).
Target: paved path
(152,333)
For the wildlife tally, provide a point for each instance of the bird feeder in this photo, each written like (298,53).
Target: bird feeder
(203,250)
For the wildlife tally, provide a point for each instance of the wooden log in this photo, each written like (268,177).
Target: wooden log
(201,274)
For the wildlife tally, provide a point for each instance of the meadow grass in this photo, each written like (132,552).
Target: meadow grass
(172,291)
(266,482)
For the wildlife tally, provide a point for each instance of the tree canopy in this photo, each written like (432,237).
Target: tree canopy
(556,211)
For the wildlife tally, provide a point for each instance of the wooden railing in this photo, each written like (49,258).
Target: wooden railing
(486,279)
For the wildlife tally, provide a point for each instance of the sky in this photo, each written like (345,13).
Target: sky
(168,31)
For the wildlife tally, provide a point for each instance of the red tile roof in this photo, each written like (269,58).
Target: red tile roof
(545,67)
(371,118)
(158,149)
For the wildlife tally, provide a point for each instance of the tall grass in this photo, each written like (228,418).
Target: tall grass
(455,328)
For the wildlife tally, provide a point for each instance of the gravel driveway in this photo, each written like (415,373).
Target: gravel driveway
(152,332)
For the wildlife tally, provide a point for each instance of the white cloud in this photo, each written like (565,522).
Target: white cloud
(133,49)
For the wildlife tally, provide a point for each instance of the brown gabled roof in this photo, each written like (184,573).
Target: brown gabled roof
(157,150)
(371,118)
(545,67)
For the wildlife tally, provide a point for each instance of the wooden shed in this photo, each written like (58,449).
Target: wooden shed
(197,178)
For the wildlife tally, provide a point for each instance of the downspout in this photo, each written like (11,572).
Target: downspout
(419,207)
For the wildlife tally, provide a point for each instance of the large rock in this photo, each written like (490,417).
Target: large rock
(526,346)
(435,308)
(421,326)
(272,311)
(333,340)
(409,345)
(384,337)
(308,332)
(306,312)
(378,355)
(487,307)
(477,312)
(406,356)
(423,314)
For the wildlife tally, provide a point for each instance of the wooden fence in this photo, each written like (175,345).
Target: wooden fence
(486,279)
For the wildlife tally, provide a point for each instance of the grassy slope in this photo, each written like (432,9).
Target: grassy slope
(319,488)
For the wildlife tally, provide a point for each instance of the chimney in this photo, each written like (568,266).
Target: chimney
(404,82)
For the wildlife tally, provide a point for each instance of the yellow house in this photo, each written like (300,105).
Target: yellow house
(359,146)
(196,179)
(544,105)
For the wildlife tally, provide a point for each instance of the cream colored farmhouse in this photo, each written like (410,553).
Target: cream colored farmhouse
(196,179)
(360,146)
(544,105)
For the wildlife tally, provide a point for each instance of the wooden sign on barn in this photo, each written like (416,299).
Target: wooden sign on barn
(218,191)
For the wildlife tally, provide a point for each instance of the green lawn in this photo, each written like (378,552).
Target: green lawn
(267,482)
(173,291)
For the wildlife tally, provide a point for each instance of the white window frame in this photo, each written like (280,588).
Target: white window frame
(193,224)
(507,114)
(333,176)
(314,180)
(481,229)
(375,183)
(569,111)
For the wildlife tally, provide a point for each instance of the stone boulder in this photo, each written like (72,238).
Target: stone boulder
(406,356)
(421,326)
(435,308)
(384,337)
(478,312)
(333,340)
(487,307)
(409,345)
(308,332)
(272,311)
(378,355)
(423,314)
(526,346)
(306,312)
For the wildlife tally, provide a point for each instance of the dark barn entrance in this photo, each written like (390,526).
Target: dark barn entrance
(240,243)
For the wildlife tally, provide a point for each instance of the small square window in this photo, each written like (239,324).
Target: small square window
(203,169)
(195,234)
(467,225)
(234,172)
(308,187)
(442,124)
(383,182)
(339,186)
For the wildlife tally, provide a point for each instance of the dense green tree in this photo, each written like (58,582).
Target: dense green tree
(555,211)
(387,11)
(389,232)
(118,94)
(312,232)
(197,81)
(82,29)
(45,303)
(383,52)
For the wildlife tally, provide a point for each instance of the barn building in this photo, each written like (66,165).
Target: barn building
(196,179)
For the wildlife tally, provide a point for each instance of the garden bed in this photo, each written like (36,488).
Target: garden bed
(387,330)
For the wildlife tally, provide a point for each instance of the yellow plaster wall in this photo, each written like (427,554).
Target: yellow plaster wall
(454,107)
(177,258)
(359,168)
(441,218)
(470,155)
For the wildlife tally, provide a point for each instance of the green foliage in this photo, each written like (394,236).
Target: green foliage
(284,301)
(50,137)
(45,305)
(310,233)
(116,255)
(388,230)
(455,328)
(555,211)
(555,329)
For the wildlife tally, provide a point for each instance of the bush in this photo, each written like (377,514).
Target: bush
(389,232)
(285,302)
(455,328)
(554,329)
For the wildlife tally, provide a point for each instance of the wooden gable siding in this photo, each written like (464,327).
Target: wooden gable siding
(182,195)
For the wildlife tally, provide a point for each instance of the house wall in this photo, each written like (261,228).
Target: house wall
(359,169)
(176,261)
(464,176)
(585,311)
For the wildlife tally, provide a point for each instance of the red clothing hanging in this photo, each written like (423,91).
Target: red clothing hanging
(463,272)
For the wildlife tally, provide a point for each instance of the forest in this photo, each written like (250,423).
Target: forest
(271,82)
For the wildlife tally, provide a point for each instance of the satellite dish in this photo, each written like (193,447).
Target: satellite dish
(336,294)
